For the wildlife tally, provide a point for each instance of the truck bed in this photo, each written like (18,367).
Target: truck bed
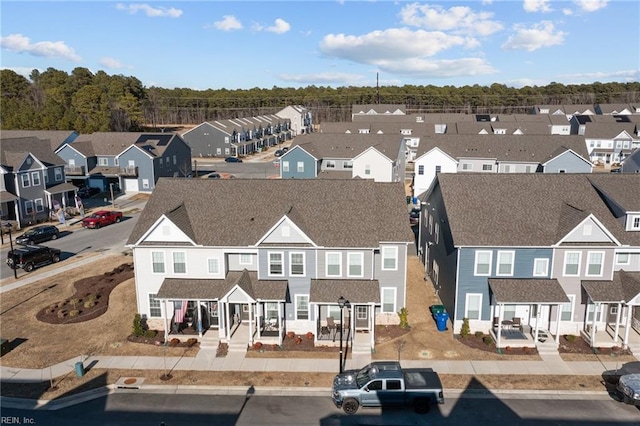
(421,378)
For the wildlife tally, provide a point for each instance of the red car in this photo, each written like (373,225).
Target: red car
(101,218)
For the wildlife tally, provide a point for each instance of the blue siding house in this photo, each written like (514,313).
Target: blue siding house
(297,163)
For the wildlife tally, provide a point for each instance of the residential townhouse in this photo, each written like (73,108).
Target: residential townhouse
(33,181)
(299,117)
(380,157)
(377,109)
(559,252)
(497,154)
(610,143)
(130,161)
(250,272)
(631,164)
(615,109)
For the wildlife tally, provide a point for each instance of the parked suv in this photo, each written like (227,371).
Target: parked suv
(38,234)
(30,257)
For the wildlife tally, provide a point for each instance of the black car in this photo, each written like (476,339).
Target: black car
(233,160)
(88,191)
(214,176)
(285,149)
(278,153)
(30,257)
(38,234)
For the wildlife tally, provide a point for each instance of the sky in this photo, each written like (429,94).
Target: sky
(298,43)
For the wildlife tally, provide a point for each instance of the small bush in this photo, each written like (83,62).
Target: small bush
(89,304)
(487,340)
(291,334)
(74,313)
(309,335)
(298,340)
(404,318)
(74,302)
(257,345)
(138,330)
(508,349)
(570,337)
(191,341)
(479,334)
(62,313)
(465,330)
(174,342)
(92,297)
(150,333)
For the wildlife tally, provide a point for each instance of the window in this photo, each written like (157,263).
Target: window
(300,167)
(389,299)
(355,264)
(154,307)
(436,272)
(103,162)
(483,263)
(271,310)
(145,183)
(393,384)
(218,151)
(562,171)
(473,306)
(438,169)
(28,206)
(334,264)
(157,259)
(179,262)
(566,309)
(430,224)
(540,267)
(361,312)
(116,161)
(622,258)
(572,263)
(421,169)
(367,170)
(46,177)
(161,163)
(285,166)
(505,263)
(347,165)
(487,167)
(594,263)
(213,266)
(302,306)
(58,173)
(528,169)
(375,385)
(245,259)
(296,264)
(334,312)
(389,258)
(467,166)
(437,233)
(636,222)
(39,205)
(35,178)
(331,164)
(175,160)
(25,180)
(275,264)
(507,168)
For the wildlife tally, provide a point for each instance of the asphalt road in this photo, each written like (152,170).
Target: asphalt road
(246,170)
(134,408)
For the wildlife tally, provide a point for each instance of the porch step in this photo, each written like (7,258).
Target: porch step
(210,340)
(548,347)
(237,346)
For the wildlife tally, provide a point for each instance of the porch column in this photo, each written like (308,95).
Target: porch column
(617,328)
(227,328)
(279,322)
(199,318)
(316,312)
(596,306)
(221,319)
(166,323)
(259,320)
(627,326)
(500,317)
(372,328)
(558,316)
(535,334)
(251,318)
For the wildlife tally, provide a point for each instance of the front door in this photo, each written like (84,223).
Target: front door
(362,317)
(213,314)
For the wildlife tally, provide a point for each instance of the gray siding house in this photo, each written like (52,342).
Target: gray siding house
(244,273)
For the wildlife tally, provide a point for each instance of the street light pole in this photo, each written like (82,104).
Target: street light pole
(113,202)
(341,303)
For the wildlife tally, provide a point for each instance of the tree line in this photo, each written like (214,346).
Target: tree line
(88,102)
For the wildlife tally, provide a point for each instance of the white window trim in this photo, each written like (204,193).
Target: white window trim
(269,263)
(304,263)
(466,305)
(285,166)
(300,166)
(209,268)
(57,173)
(475,263)
(173,262)
(623,263)
(572,301)
(395,298)
(564,264)
(149,305)
(28,205)
(38,205)
(587,263)
(164,264)
(383,257)
(326,263)
(361,312)
(513,261)
(245,263)
(546,266)
(27,183)
(34,176)
(361,256)
(297,298)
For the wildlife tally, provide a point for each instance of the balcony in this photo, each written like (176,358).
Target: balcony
(128,171)
(74,170)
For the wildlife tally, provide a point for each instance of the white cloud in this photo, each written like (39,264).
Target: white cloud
(48,49)
(537,6)
(538,36)
(567,11)
(153,12)
(590,5)
(522,82)
(390,44)
(426,68)
(460,19)
(228,23)
(279,27)
(625,75)
(112,63)
(324,78)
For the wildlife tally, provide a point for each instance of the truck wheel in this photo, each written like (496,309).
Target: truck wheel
(28,267)
(421,405)
(350,405)
(117,220)
(54,237)
(55,258)
(98,225)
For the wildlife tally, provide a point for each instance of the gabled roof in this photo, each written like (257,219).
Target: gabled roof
(348,145)
(398,109)
(620,188)
(527,291)
(219,213)
(624,287)
(527,209)
(13,152)
(55,138)
(155,144)
(600,130)
(109,143)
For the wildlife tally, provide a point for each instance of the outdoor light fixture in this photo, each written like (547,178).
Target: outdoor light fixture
(341,303)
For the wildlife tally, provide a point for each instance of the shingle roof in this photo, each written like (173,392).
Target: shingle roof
(14,151)
(355,291)
(624,287)
(238,212)
(624,188)
(109,143)
(348,145)
(55,138)
(524,291)
(528,209)
(607,130)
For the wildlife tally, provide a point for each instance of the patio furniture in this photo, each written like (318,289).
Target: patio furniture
(507,324)
(496,322)
(325,332)
(332,327)
(517,323)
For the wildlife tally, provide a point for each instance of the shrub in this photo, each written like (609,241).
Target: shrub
(479,334)
(465,330)
(174,342)
(150,333)
(570,337)
(508,349)
(309,335)
(298,340)
(74,302)
(92,297)
(74,313)
(487,340)
(404,318)
(191,341)
(62,313)
(137,325)
(291,334)
(89,304)
(257,345)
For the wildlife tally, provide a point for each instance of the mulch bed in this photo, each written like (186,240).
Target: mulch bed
(480,343)
(571,344)
(90,300)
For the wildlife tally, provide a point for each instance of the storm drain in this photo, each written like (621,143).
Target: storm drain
(129,382)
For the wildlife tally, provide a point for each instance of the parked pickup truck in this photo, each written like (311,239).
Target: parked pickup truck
(385,383)
(101,218)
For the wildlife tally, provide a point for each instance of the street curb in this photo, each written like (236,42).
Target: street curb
(57,404)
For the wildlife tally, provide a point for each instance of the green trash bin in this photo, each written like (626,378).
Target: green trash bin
(79,369)
(437,309)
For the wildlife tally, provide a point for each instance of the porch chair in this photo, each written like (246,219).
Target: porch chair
(331,324)
(517,323)
(496,322)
